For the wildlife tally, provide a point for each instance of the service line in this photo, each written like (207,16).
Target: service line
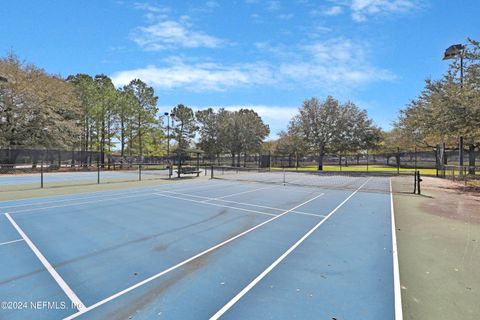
(118,294)
(244,291)
(68,291)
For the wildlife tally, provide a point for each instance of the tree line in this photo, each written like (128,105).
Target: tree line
(40,110)
(85,113)
(81,112)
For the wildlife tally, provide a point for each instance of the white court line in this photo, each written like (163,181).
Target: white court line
(69,200)
(244,204)
(235,299)
(118,294)
(98,194)
(215,204)
(8,242)
(396,271)
(68,291)
(248,191)
(81,203)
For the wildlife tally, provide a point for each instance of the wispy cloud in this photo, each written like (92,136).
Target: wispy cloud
(199,76)
(172,34)
(333,63)
(328,65)
(361,10)
(333,11)
(164,33)
(150,8)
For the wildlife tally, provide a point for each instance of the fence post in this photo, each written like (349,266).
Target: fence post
(41,175)
(416,166)
(367,159)
(419,179)
(398,160)
(460,155)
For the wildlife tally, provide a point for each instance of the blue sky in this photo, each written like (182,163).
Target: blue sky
(267,55)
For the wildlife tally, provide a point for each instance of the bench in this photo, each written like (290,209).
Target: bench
(188,170)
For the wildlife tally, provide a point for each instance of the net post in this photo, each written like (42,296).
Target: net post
(211,172)
(284,182)
(41,174)
(139,172)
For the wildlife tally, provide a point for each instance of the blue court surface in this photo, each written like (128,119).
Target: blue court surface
(201,249)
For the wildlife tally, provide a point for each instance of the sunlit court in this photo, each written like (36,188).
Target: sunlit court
(200,249)
(247,159)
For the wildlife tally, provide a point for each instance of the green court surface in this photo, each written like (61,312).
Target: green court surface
(438,239)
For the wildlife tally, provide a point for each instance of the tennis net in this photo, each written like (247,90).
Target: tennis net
(348,180)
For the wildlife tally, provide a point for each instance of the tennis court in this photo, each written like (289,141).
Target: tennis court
(204,249)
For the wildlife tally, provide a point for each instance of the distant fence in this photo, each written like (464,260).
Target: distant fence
(444,163)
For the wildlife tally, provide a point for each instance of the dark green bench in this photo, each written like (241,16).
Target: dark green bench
(188,170)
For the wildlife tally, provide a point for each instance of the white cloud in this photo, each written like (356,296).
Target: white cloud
(150,8)
(360,10)
(197,77)
(333,11)
(173,34)
(164,33)
(328,65)
(333,63)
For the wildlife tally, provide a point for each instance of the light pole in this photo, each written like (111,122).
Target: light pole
(168,129)
(453,52)
(168,132)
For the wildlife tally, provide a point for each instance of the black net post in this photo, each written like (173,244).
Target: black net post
(211,172)
(41,174)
